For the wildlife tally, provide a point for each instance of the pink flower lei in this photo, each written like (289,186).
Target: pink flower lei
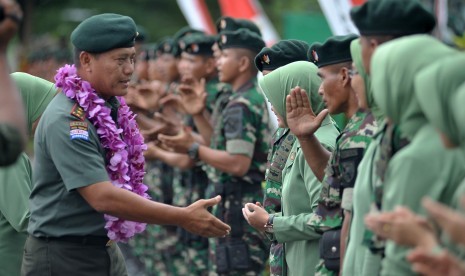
(124,145)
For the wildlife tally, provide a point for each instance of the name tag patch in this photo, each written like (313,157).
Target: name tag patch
(78,130)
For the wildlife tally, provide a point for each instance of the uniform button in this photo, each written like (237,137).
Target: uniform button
(333,249)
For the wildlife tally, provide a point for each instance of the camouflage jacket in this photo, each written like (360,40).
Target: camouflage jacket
(342,170)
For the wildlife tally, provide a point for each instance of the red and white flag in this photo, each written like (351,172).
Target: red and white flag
(197,15)
(337,15)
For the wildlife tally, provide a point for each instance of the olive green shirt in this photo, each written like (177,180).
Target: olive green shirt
(68,155)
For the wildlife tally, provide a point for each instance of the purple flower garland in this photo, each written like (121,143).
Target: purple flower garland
(124,145)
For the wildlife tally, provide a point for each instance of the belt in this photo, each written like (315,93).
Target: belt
(84,240)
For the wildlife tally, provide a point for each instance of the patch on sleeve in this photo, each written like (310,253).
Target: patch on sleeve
(233,118)
(78,112)
(78,130)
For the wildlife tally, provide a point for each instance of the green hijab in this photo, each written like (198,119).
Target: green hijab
(277,85)
(434,87)
(356,52)
(394,67)
(458,115)
(36,93)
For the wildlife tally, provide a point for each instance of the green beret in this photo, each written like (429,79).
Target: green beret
(183,32)
(227,23)
(242,38)
(198,44)
(334,50)
(392,17)
(165,46)
(104,32)
(281,53)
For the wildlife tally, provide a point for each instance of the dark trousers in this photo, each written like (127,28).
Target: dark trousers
(55,257)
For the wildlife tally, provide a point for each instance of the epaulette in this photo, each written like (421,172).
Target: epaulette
(78,112)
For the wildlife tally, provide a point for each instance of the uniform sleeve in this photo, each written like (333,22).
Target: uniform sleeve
(10,144)
(15,188)
(239,129)
(76,155)
(295,228)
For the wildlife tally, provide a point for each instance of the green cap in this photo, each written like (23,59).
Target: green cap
(392,17)
(104,32)
(334,50)
(227,23)
(242,38)
(198,44)
(281,53)
(183,32)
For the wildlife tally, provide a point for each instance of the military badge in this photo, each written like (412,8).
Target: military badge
(167,48)
(195,48)
(182,45)
(315,56)
(224,39)
(266,59)
(78,112)
(222,24)
(78,130)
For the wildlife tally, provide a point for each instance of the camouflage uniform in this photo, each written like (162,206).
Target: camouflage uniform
(340,176)
(282,142)
(241,128)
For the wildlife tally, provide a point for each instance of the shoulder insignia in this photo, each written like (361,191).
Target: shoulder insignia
(78,130)
(78,112)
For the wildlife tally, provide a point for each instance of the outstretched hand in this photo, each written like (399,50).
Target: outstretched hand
(178,143)
(300,117)
(193,95)
(200,222)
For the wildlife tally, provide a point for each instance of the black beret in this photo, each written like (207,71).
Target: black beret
(242,38)
(181,33)
(281,53)
(334,50)
(227,23)
(104,32)
(198,44)
(392,17)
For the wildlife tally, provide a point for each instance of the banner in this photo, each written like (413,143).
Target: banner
(197,15)
(337,15)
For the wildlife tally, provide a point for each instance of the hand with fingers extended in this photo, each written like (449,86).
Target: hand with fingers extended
(145,96)
(428,263)
(200,222)
(255,215)
(300,117)
(178,143)
(450,221)
(10,24)
(193,95)
(162,125)
(403,227)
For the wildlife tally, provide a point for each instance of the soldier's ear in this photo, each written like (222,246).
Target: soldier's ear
(244,63)
(85,59)
(344,76)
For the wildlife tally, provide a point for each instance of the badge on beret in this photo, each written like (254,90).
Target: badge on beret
(224,39)
(78,130)
(166,47)
(315,56)
(266,59)
(182,45)
(195,48)
(222,24)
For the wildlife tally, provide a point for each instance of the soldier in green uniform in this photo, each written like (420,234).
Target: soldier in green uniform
(12,120)
(269,59)
(364,250)
(300,187)
(423,168)
(73,177)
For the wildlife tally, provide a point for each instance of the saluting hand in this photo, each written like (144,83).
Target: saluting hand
(300,117)
(200,222)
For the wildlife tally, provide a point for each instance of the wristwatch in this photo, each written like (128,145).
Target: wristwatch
(269,224)
(193,151)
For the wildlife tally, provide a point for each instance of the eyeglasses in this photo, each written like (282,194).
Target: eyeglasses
(352,72)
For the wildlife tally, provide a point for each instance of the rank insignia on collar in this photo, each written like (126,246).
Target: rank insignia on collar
(266,59)
(78,112)
(315,56)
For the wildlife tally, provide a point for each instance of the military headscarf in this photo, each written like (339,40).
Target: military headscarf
(356,51)
(435,86)
(277,85)
(394,67)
